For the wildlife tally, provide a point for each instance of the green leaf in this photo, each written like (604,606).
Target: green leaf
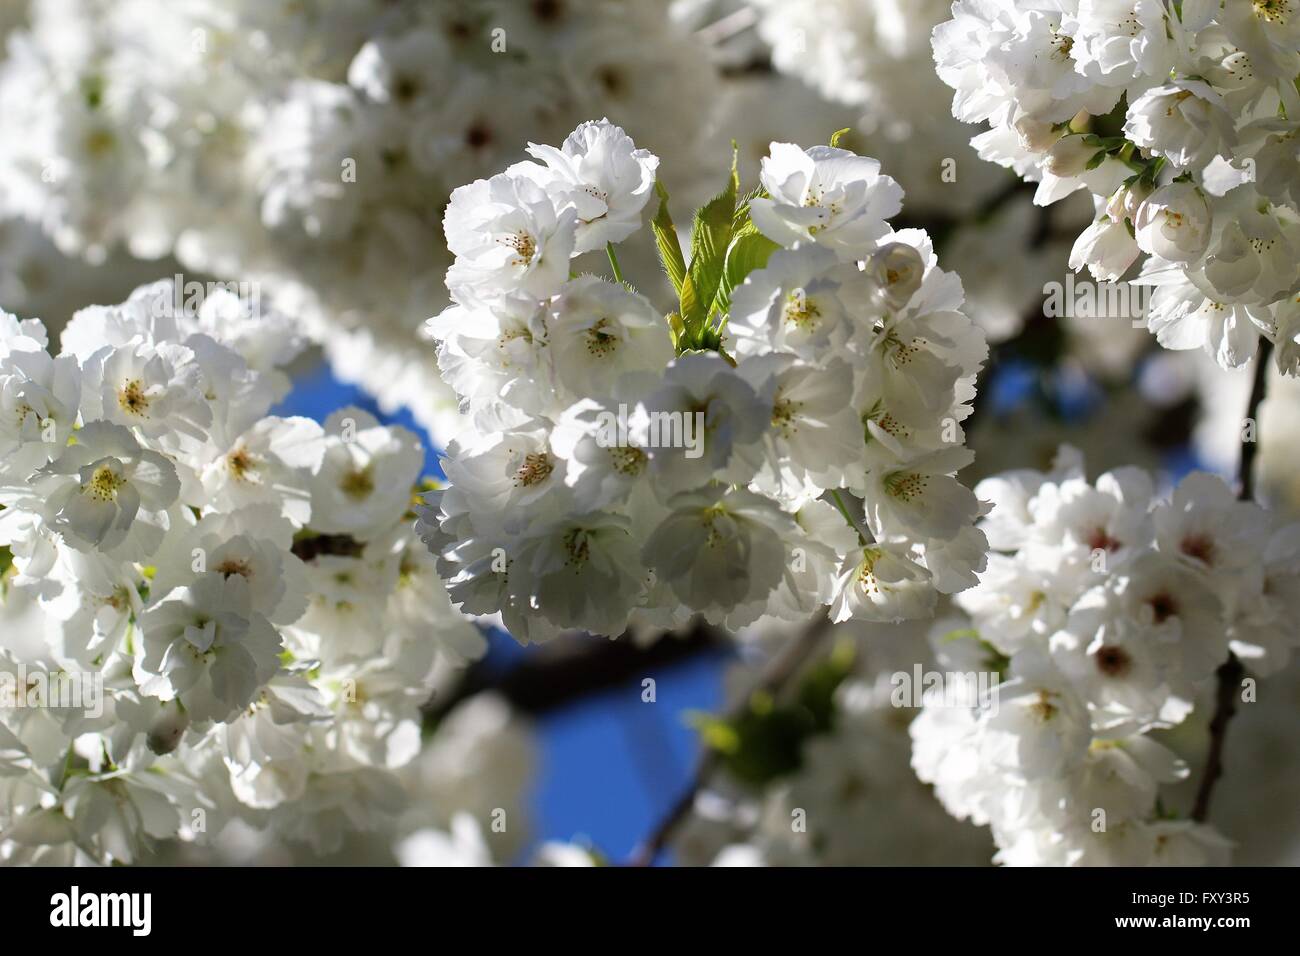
(670,250)
(714,224)
(1109,143)
(817,692)
(766,739)
(740,222)
(675,327)
(747,252)
(715,732)
(1098,158)
(768,746)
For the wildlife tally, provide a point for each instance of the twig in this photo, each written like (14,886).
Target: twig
(1250,448)
(1229,675)
(1231,671)
(780,669)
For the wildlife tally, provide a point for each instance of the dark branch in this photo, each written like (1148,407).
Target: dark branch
(574,666)
(1250,448)
(310,547)
(1229,675)
(1230,672)
(780,669)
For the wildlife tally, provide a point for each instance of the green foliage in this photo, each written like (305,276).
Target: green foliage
(765,740)
(992,658)
(725,247)
(746,253)
(670,250)
(710,238)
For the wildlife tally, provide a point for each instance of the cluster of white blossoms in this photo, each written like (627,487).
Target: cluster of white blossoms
(228,615)
(1106,609)
(1180,118)
(312,146)
(786,438)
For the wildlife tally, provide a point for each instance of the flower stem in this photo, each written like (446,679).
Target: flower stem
(613,262)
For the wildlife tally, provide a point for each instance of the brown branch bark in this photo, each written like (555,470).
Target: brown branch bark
(1229,676)
(1231,671)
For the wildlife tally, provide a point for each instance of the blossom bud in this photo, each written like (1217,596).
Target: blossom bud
(167,727)
(1124,202)
(1035,135)
(1069,157)
(897,269)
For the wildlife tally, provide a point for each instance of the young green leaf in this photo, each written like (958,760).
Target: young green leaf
(670,250)
(709,241)
(748,251)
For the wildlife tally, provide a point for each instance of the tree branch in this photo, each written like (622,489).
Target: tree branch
(780,669)
(1231,671)
(1229,675)
(1249,449)
(571,667)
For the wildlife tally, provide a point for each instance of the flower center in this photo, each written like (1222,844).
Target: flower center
(1274,11)
(536,468)
(783,415)
(1099,539)
(358,484)
(1113,661)
(104,483)
(133,400)
(1163,607)
(1199,546)
(867,571)
(599,342)
(234,566)
(578,546)
(906,485)
(240,463)
(1042,707)
(1062,44)
(524,244)
(628,460)
(800,310)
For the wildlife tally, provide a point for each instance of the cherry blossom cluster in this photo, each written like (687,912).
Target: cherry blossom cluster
(1180,120)
(869,63)
(312,146)
(237,598)
(786,438)
(1106,610)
